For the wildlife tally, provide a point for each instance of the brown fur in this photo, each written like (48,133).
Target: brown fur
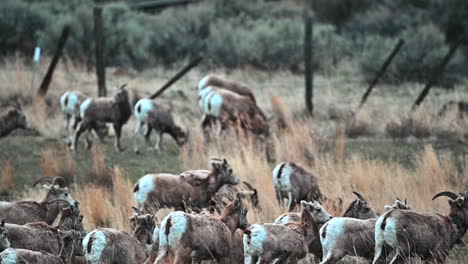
(192,188)
(26,256)
(218,81)
(206,237)
(115,110)
(219,199)
(304,186)
(359,209)
(12,120)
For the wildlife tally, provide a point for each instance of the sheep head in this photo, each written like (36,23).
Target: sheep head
(17,115)
(56,189)
(458,208)
(4,243)
(251,195)
(359,208)
(224,172)
(142,226)
(315,209)
(235,211)
(71,218)
(121,95)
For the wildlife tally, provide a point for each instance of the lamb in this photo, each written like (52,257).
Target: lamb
(358,209)
(12,120)
(115,110)
(220,199)
(159,118)
(189,237)
(25,256)
(32,235)
(231,109)
(426,235)
(108,245)
(265,242)
(23,212)
(192,188)
(70,103)
(350,236)
(295,184)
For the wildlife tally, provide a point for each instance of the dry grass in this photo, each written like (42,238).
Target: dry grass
(7,181)
(59,163)
(359,126)
(100,174)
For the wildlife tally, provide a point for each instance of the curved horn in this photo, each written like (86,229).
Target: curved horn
(59,201)
(398,199)
(59,181)
(359,196)
(47,179)
(452,195)
(250,186)
(123,86)
(228,196)
(138,211)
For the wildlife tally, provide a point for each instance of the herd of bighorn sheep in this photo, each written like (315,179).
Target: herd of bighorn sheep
(210,223)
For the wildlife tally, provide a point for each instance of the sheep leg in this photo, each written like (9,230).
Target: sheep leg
(157,147)
(332,258)
(137,135)
(291,202)
(265,258)
(148,137)
(118,132)
(182,256)
(88,142)
(81,127)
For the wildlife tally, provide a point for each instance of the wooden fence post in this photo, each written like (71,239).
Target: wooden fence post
(308,57)
(435,76)
(380,73)
(100,65)
(50,71)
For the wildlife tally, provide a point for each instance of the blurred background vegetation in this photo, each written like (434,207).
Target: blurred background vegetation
(349,35)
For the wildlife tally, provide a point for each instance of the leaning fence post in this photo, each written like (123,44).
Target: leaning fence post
(35,62)
(435,75)
(100,66)
(380,73)
(308,57)
(48,77)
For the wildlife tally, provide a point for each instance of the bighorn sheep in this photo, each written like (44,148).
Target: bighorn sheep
(32,236)
(295,184)
(460,107)
(218,81)
(25,256)
(108,245)
(350,236)
(159,118)
(70,103)
(4,242)
(22,212)
(197,237)
(265,242)
(115,110)
(220,199)
(427,235)
(229,108)
(192,188)
(12,120)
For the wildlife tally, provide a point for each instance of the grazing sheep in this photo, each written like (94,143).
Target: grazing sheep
(12,120)
(265,242)
(295,184)
(108,245)
(192,188)
(429,236)
(220,199)
(23,212)
(32,235)
(190,237)
(24,256)
(343,236)
(115,110)
(70,103)
(218,81)
(228,108)
(159,118)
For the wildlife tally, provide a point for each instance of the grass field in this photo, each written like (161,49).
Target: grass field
(432,156)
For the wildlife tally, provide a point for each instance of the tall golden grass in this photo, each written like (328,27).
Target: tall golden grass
(58,163)
(7,181)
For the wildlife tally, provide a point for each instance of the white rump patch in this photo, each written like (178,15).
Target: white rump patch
(8,256)
(334,230)
(145,105)
(283,183)
(203,82)
(84,106)
(215,103)
(258,235)
(62,103)
(145,186)
(98,246)
(203,94)
(390,232)
(155,239)
(177,229)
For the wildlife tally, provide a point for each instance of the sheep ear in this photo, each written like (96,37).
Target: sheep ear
(304,204)
(359,203)
(225,161)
